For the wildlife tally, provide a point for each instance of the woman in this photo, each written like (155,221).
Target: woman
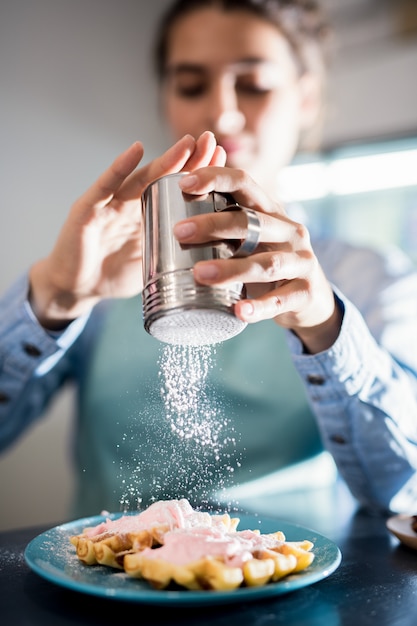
(326,359)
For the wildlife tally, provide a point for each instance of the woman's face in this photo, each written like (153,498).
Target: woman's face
(234,74)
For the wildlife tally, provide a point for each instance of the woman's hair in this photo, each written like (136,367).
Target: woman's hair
(300,21)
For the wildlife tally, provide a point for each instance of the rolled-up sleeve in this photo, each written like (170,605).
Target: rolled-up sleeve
(363,391)
(28,355)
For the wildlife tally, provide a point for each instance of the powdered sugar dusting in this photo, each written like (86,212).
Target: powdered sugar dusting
(190,450)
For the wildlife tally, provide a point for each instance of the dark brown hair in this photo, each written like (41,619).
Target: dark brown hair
(300,21)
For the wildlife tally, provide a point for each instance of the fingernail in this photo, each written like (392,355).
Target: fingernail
(246,309)
(206,272)
(184,230)
(188,181)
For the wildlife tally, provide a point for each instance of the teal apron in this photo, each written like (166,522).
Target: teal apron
(248,418)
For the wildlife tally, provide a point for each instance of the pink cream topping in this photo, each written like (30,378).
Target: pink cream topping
(260,542)
(186,546)
(170,513)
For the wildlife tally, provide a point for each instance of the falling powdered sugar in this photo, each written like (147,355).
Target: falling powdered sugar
(190,413)
(191,408)
(182,443)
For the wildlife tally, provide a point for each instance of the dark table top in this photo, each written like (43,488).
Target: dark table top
(376,582)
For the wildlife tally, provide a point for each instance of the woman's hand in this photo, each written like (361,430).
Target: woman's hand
(98,253)
(283,278)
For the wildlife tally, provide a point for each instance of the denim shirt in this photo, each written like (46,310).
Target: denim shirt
(357,400)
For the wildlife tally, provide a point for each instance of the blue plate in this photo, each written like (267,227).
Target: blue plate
(52,556)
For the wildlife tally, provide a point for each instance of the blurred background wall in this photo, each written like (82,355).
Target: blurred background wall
(76,88)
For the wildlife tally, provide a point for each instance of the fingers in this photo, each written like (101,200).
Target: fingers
(262,268)
(219,157)
(206,150)
(122,183)
(186,154)
(103,190)
(234,225)
(173,160)
(287,297)
(121,179)
(305,305)
(227,180)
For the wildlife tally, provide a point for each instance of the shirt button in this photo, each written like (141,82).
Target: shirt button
(315,379)
(4,397)
(337,439)
(31,350)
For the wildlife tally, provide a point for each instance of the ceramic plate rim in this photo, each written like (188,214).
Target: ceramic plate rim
(50,566)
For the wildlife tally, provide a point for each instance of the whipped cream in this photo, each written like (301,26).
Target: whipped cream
(167,513)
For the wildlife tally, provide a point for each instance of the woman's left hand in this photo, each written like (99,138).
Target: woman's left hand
(283,278)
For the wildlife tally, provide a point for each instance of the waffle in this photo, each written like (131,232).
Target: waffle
(172,545)
(108,542)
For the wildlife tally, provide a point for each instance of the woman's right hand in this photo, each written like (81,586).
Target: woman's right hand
(98,253)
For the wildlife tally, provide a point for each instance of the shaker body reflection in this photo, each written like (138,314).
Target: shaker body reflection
(176,309)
